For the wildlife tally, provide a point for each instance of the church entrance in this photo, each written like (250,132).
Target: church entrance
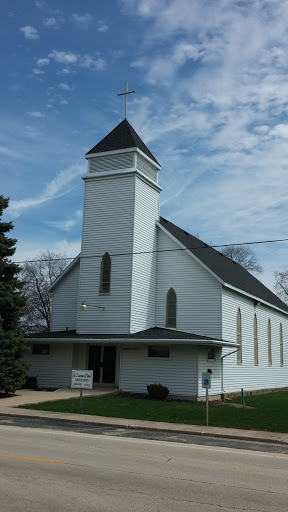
(102,360)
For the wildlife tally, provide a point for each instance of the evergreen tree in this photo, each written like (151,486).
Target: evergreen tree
(12,342)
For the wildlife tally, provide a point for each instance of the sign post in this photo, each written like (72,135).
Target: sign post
(82,379)
(206,383)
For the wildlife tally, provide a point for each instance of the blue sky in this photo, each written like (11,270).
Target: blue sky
(211,103)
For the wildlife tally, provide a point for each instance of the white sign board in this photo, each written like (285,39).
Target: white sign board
(206,380)
(82,379)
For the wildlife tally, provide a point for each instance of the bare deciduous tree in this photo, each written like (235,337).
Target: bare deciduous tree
(281,284)
(38,275)
(243,255)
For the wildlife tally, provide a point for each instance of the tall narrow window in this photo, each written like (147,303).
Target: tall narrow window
(105,276)
(255,340)
(171,307)
(281,346)
(239,337)
(269,344)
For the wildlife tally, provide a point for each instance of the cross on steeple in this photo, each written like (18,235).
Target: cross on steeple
(126,94)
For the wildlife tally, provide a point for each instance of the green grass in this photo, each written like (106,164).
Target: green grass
(270,411)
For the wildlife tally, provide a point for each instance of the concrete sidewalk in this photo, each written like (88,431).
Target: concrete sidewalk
(8,408)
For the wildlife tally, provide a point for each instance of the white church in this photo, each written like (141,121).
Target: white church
(147,302)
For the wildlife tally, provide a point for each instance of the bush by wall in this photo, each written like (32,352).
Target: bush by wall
(157,391)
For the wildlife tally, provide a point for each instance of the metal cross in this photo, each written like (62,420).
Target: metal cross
(126,94)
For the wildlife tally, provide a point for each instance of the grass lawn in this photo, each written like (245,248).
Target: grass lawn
(268,412)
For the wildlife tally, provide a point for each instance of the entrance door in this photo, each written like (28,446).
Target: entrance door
(102,361)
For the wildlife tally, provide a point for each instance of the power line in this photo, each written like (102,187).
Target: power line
(159,250)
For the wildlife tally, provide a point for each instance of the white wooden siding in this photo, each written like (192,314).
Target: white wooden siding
(54,370)
(107,227)
(198,293)
(110,163)
(147,168)
(248,375)
(65,301)
(144,265)
(179,373)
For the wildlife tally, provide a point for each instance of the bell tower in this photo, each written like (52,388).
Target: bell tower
(121,206)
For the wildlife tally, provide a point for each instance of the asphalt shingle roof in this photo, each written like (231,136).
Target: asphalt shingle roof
(226,269)
(155,333)
(122,137)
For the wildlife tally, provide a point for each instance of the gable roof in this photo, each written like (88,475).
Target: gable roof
(122,137)
(230,272)
(64,273)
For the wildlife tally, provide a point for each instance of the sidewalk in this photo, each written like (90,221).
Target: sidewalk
(8,408)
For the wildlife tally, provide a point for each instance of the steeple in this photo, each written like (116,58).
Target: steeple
(122,137)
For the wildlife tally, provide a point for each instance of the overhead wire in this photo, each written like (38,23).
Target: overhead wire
(132,253)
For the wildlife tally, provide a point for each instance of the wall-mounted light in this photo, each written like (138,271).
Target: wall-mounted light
(84,306)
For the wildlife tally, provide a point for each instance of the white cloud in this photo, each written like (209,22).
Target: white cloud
(58,186)
(67,224)
(37,71)
(36,114)
(50,23)
(63,57)
(82,21)
(65,87)
(40,4)
(102,26)
(84,61)
(92,63)
(43,62)
(30,32)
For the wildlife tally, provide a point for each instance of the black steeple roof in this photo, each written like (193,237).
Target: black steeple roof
(122,137)
(228,270)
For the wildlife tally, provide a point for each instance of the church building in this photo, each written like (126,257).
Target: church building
(147,302)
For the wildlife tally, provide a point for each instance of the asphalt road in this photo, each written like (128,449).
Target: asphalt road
(55,470)
(70,426)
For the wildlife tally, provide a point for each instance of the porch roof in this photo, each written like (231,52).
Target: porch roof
(152,335)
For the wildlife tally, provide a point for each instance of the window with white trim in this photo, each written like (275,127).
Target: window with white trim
(105,276)
(255,340)
(281,346)
(239,337)
(269,344)
(159,351)
(171,308)
(41,349)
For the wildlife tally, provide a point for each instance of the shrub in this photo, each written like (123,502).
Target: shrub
(30,382)
(157,391)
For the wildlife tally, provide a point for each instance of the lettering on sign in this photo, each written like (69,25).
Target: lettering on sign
(82,379)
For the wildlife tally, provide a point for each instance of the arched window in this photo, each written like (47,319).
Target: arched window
(269,344)
(105,276)
(171,307)
(281,346)
(255,340)
(239,337)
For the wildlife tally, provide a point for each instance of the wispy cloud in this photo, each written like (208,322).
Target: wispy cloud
(84,61)
(63,57)
(51,23)
(102,26)
(36,114)
(38,71)
(30,32)
(82,20)
(43,62)
(65,87)
(58,186)
(67,224)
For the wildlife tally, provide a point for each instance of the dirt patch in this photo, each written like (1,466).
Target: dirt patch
(238,406)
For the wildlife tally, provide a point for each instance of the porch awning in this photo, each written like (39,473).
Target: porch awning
(155,335)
